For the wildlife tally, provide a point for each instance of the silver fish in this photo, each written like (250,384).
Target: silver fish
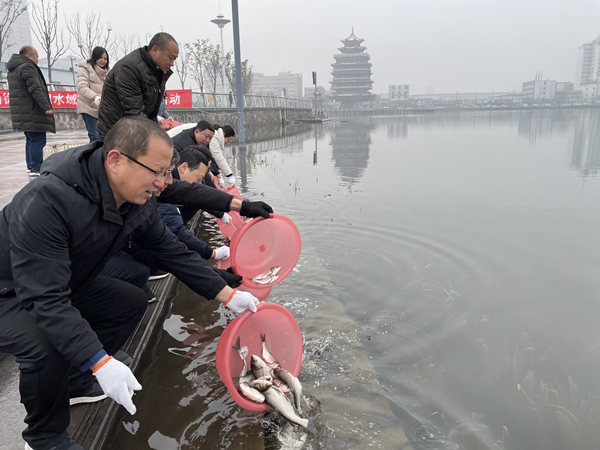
(261,384)
(251,393)
(260,368)
(293,383)
(267,356)
(277,400)
(243,352)
(282,386)
(268,276)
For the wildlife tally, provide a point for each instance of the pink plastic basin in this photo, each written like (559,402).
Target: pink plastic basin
(283,338)
(261,244)
(259,292)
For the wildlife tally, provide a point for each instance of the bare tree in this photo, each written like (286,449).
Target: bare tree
(247,74)
(10,10)
(45,18)
(182,64)
(197,54)
(90,33)
(214,66)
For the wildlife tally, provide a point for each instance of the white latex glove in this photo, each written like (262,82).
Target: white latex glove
(226,218)
(240,302)
(231,181)
(97,100)
(118,382)
(222,252)
(221,181)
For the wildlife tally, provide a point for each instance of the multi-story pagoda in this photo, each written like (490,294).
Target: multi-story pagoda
(351,73)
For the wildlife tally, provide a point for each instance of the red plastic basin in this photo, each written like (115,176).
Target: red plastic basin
(283,339)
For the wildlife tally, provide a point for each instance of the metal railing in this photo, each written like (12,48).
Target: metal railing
(208,100)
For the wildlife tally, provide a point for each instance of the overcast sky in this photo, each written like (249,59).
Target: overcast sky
(462,45)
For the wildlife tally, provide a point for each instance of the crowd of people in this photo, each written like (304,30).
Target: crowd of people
(79,243)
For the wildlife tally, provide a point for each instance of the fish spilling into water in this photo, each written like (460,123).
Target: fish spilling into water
(268,276)
(251,393)
(260,368)
(243,352)
(293,383)
(279,402)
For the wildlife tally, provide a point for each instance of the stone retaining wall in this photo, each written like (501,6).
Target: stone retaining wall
(254,118)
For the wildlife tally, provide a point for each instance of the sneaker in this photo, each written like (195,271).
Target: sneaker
(157,275)
(92,394)
(28,173)
(67,444)
(149,294)
(123,357)
(34,173)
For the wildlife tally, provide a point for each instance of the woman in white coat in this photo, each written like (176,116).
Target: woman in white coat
(217,144)
(90,79)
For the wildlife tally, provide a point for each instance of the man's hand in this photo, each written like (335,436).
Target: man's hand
(222,253)
(226,218)
(230,278)
(221,181)
(97,100)
(49,112)
(255,209)
(240,302)
(117,381)
(231,181)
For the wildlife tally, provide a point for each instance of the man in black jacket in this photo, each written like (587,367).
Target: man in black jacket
(30,107)
(62,320)
(136,84)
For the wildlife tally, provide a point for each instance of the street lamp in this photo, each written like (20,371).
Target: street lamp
(221,21)
(73,69)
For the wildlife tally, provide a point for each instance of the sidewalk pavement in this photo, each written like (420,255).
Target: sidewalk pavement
(13,176)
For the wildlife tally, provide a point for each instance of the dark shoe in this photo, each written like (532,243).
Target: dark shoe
(67,444)
(123,357)
(93,393)
(149,294)
(157,275)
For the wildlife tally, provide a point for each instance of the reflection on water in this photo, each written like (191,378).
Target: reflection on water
(453,306)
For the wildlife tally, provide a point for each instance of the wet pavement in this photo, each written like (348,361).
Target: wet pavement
(13,176)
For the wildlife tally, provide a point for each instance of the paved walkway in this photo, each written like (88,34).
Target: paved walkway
(13,176)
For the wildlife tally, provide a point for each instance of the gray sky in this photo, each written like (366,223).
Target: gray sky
(461,45)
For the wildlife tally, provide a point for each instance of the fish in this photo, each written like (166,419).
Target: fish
(261,384)
(251,393)
(260,368)
(268,276)
(278,401)
(282,386)
(267,356)
(293,383)
(243,352)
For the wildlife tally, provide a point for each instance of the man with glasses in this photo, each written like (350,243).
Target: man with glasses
(136,84)
(57,315)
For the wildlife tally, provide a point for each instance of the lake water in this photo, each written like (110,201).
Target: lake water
(448,289)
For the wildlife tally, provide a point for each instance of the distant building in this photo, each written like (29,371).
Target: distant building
(285,84)
(399,92)
(351,73)
(64,70)
(588,63)
(565,92)
(539,89)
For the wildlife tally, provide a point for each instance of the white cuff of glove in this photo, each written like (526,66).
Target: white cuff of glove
(118,382)
(226,218)
(231,180)
(222,252)
(221,181)
(240,302)
(97,100)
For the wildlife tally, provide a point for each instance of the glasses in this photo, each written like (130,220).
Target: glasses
(155,174)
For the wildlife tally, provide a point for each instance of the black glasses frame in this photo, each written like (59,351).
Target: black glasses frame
(154,172)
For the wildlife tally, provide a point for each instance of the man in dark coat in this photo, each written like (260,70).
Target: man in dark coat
(30,106)
(136,84)
(57,315)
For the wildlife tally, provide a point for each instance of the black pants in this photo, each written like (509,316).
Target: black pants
(129,268)
(112,307)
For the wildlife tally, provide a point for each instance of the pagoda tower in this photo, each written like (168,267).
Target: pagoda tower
(351,73)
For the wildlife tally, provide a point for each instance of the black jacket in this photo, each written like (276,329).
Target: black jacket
(184,139)
(59,231)
(29,99)
(134,87)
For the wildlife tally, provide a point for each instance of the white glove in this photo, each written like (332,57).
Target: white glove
(97,100)
(231,180)
(221,181)
(160,119)
(118,382)
(240,302)
(226,218)
(222,252)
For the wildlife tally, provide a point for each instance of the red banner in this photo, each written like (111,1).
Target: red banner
(179,99)
(68,99)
